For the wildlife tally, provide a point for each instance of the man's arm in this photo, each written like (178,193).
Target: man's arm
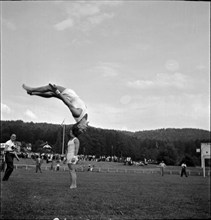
(16,156)
(6,148)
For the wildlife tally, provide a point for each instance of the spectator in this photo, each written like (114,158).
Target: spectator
(52,164)
(10,153)
(38,163)
(2,162)
(162,166)
(183,170)
(57,165)
(90,167)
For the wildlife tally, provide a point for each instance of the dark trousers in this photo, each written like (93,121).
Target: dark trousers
(9,161)
(38,167)
(162,171)
(184,172)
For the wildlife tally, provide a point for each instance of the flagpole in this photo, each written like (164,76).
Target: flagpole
(63,139)
(63,126)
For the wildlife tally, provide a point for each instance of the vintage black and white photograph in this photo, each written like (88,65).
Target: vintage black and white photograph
(105,110)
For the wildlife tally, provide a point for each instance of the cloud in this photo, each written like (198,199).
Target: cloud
(106,70)
(176,80)
(126,99)
(142,84)
(30,114)
(201,67)
(97,19)
(84,15)
(199,106)
(149,112)
(172,65)
(98,117)
(79,42)
(83,9)
(5,109)
(64,24)
(8,24)
(162,80)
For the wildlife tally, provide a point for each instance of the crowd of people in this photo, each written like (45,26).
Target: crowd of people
(71,158)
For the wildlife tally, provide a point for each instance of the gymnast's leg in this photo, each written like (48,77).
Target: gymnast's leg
(73,176)
(45,95)
(41,89)
(44,91)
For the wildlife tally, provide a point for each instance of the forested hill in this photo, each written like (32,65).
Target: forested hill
(32,131)
(174,134)
(170,145)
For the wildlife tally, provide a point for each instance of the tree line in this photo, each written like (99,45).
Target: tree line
(171,145)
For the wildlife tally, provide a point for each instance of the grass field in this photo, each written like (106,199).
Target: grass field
(103,195)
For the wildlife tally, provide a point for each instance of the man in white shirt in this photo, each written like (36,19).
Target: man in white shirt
(183,171)
(162,166)
(10,148)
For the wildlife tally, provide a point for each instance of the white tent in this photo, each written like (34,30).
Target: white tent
(47,146)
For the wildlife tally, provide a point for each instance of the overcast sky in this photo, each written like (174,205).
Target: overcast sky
(138,65)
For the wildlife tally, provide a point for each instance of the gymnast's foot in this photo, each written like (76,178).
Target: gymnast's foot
(53,87)
(28,89)
(73,187)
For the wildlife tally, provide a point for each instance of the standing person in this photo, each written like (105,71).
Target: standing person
(38,163)
(162,166)
(57,165)
(72,156)
(183,171)
(76,106)
(90,167)
(10,153)
(2,156)
(52,164)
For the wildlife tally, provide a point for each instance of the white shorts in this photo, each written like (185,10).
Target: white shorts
(76,102)
(72,159)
